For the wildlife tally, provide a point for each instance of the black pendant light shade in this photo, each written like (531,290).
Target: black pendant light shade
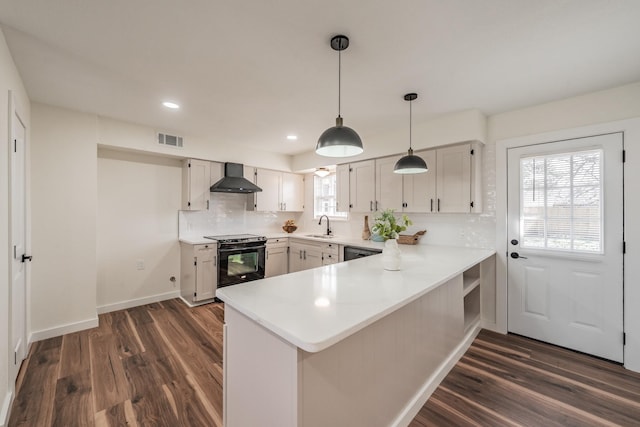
(410,163)
(339,141)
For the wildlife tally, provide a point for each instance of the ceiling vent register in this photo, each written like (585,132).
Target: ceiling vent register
(170,140)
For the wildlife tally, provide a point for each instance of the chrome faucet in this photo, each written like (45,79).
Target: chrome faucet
(320,223)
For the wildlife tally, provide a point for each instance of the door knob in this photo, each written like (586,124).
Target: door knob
(26,258)
(516,255)
(514,242)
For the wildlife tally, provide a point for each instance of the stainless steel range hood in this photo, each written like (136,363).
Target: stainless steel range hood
(234,181)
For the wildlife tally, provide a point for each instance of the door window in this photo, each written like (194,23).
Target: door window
(561,201)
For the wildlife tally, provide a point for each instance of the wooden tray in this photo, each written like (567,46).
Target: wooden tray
(404,239)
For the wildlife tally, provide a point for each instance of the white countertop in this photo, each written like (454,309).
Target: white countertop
(340,240)
(314,309)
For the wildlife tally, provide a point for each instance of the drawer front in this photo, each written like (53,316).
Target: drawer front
(331,248)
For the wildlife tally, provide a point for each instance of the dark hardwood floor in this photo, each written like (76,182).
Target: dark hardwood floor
(161,365)
(507,380)
(154,365)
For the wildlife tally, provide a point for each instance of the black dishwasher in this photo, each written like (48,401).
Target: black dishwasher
(354,252)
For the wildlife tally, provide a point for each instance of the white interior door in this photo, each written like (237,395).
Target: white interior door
(18,237)
(565,232)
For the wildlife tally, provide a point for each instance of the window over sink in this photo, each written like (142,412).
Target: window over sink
(325,197)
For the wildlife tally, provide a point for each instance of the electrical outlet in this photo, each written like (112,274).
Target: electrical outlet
(140,264)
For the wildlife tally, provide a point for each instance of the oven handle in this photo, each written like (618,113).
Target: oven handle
(242,249)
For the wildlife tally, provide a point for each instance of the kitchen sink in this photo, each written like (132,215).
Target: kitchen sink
(320,236)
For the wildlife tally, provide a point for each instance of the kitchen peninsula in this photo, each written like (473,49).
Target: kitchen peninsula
(350,343)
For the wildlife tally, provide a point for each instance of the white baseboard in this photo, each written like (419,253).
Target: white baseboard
(107,308)
(57,331)
(196,304)
(4,410)
(432,383)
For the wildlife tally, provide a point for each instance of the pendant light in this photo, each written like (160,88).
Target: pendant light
(410,163)
(339,141)
(322,172)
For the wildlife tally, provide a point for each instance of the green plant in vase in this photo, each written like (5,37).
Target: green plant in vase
(386,226)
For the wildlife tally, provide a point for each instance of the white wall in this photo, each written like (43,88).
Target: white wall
(64,203)
(9,81)
(119,134)
(138,201)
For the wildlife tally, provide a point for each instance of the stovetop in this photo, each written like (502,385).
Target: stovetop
(237,238)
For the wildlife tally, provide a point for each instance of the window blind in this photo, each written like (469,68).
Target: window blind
(561,201)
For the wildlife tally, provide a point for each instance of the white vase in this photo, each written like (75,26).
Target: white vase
(391,255)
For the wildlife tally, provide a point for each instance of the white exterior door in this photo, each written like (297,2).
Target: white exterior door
(565,240)
(18,246)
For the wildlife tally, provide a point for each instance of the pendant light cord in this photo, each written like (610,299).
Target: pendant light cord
(410,115)
(339,78)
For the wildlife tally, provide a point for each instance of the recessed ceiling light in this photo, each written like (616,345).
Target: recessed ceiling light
(171,105)
(292,137)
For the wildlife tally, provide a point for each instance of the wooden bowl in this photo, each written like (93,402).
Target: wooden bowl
(289,228)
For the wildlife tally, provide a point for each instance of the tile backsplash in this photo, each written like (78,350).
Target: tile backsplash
(228,214)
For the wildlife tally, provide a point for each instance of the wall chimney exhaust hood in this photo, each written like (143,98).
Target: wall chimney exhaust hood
(234,181)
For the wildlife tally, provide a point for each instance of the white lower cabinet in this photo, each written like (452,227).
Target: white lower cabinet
(199,271)
(305,254)
(276,257)
(330,254)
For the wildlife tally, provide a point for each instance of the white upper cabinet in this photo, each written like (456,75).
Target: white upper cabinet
(281,191)
(362,186)
(388,185)
(342,188)
(419,190)
(269,198)
(195,184)
(451,185)
(292,194)
(453,182)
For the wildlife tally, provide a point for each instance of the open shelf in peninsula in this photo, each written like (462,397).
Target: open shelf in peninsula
(471,295)
(328,328)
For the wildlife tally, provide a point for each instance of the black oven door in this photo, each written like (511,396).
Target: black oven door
(237,265)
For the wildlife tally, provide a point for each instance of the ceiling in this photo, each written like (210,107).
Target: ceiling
(252,71)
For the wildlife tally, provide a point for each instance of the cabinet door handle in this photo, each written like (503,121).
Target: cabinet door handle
(431,209)
(300,254)
(215,260)
(207,205)
(371,205)
(305,254)
(438,205)
(376,206)
(285,206)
